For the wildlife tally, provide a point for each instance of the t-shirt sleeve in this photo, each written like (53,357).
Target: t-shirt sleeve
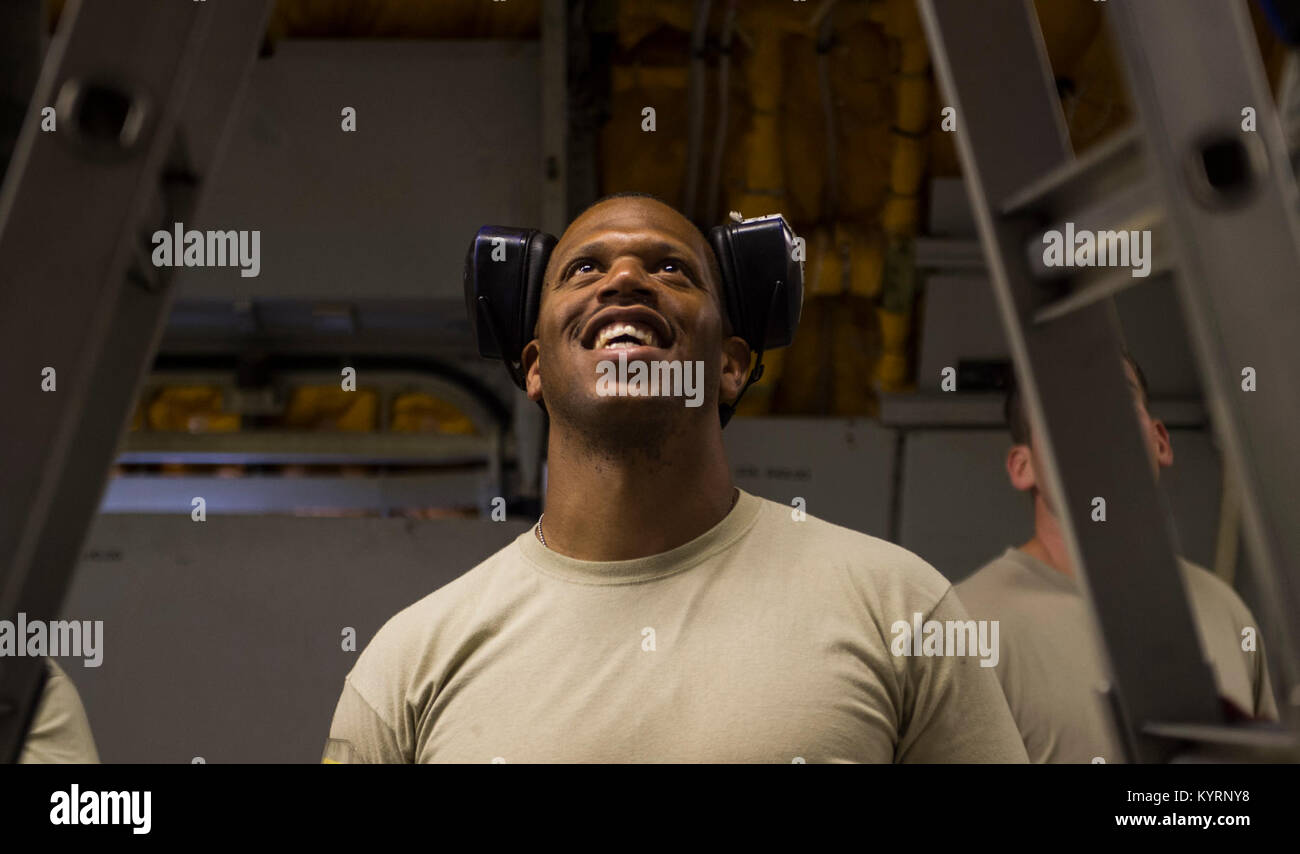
(1265,704)
(60,731)
(954,708)
(359,735)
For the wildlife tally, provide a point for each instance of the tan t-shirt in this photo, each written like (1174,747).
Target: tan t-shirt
(1052,666)
(60,732)
(765,639)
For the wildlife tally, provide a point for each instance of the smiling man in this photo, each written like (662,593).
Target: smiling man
(656,613)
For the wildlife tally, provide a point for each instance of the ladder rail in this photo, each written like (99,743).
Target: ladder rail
(141,92)
(1237,247)
(1010,134)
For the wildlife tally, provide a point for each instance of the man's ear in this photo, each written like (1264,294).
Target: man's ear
(1020,468)
(1164,447)
(530,362)
(735,365)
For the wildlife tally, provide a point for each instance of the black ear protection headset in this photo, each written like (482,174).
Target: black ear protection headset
(762,288)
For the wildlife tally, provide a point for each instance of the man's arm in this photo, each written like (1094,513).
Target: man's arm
(954,708)
(1265,705)
(359,735)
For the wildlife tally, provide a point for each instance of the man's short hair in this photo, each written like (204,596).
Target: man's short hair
(1014,408)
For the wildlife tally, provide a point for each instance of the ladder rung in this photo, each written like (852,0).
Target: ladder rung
(1133,208)
(1099,287)
(1112,165)
(1209,734)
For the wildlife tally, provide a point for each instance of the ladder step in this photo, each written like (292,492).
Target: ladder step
(1098,287)
(1111,165)
(1211,734)
(1103,193)
(1134,208)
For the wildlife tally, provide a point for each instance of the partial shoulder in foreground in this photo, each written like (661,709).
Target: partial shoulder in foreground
(1201,582)
(868,558)
(408,632)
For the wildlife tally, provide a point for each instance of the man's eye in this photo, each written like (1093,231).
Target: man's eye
(580,267)
(672,266)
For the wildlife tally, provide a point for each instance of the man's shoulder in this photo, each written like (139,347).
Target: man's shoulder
(409,632)
(988,584)
(54,671)
(867,559)
(1209,591)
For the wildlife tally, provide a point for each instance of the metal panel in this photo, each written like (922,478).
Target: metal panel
(447,139)
(950,213)
(960,323)
(843,468)
(223,639)
(956,508)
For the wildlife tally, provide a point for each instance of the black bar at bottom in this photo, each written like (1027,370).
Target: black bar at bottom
(933,806)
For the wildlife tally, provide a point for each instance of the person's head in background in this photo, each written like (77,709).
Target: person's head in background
(1023,459)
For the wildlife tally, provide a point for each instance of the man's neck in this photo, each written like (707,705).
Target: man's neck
(1048,543)
(603,508)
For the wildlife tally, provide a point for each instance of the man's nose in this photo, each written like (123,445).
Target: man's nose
(627,279)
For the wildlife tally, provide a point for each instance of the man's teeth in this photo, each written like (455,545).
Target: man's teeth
(641,334)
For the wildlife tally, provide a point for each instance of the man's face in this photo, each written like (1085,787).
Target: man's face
(635,266)
(1023,461)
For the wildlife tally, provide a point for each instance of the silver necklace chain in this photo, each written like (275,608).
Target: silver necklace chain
(735,496)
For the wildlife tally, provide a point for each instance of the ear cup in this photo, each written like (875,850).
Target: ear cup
(762,281)
(733,302)
(762,286)
(504,269)
(537,256)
